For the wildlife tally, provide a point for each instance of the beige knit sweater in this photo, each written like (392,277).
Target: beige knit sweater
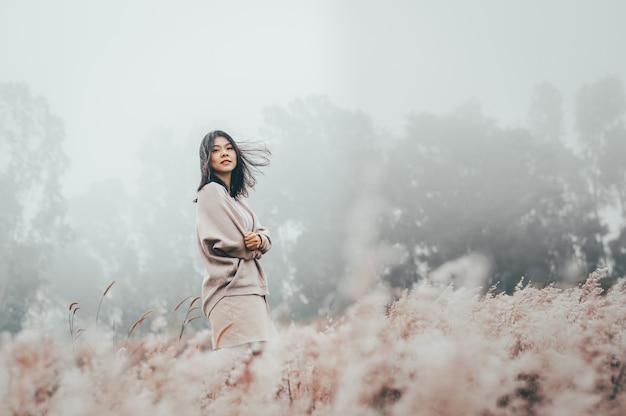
(230,268)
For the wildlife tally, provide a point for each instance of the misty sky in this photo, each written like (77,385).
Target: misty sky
(115,70)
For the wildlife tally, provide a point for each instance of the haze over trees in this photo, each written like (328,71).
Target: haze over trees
(350,206)
(32,212)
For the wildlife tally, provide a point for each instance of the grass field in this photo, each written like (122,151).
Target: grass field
(543,351)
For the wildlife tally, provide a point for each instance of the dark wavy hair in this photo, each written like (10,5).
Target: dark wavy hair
(250,158)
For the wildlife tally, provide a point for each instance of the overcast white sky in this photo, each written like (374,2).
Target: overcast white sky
(116,70)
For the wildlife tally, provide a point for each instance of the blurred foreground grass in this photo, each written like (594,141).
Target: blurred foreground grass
(434,351)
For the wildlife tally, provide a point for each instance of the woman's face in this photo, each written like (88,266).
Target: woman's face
(223,157)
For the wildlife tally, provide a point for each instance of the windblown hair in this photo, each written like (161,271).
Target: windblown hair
(250,158)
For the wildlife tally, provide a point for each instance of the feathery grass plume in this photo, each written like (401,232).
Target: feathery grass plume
(431,352)
(190,310)
(219,336)
(72,311)
(137,323)
(617,381)
(72,314)
(141,344)
(74,334)
(101,299)
(180,303)
(78,332)
(592,287)
(182,329)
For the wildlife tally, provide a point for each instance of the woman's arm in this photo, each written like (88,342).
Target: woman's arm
(264,235)
(259,240)
(217,224)
(266,239)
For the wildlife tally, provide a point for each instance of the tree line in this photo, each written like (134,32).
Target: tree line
(350,205)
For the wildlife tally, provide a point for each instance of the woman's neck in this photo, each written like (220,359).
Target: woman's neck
(226,179)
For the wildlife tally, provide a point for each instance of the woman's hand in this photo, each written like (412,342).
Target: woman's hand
(252,241)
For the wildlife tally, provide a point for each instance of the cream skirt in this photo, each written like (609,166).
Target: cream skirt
(238,320)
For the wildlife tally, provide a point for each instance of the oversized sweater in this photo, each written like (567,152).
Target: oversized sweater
(230,268)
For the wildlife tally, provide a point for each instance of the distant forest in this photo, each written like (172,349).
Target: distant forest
(349,205)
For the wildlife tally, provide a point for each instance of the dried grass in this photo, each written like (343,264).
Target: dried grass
(453,352)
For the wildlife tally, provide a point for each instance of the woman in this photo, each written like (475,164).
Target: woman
(231,242)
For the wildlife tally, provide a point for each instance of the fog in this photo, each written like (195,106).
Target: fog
(114,71)
(339,91)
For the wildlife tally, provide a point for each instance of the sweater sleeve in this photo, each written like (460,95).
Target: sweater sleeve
(217,225)
(266,238)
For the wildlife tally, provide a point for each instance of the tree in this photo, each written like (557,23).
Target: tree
(613,168)
(463,185)
(163,222)
(104,249)
(545,115)
(144,240)
(600,113)
(320,170)
(618,249)
(32,213)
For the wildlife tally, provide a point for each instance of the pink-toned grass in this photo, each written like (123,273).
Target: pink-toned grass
(544,351)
